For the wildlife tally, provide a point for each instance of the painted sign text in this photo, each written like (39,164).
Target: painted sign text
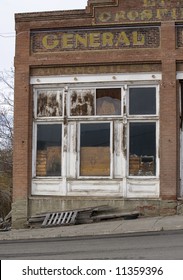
(57,41)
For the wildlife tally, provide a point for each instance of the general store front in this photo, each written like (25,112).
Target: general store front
(98,108)
(96,135)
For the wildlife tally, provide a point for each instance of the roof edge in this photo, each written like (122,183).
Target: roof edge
(20,17)
(63,14)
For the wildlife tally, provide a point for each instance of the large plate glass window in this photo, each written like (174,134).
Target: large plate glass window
(95,149)
(49,146)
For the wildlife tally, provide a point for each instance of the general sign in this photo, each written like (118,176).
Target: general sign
(95,39)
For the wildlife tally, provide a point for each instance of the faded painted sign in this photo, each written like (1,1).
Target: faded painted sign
(144,11)
(95,39)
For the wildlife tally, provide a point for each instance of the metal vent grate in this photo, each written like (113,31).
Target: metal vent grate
(59,218)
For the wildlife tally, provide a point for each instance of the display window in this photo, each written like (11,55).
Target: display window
(109,131)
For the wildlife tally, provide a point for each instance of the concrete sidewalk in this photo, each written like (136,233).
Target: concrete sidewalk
(138,225)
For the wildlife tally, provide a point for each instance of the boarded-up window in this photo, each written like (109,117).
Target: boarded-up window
(48,161)
(49,103)
(108,101)
(142,146)
(82,102)
(95,149)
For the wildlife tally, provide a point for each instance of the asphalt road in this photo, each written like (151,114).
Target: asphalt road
(163,245)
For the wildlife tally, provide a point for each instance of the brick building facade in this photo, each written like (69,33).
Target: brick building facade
(98,108)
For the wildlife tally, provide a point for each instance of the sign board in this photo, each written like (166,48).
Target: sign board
(95,39)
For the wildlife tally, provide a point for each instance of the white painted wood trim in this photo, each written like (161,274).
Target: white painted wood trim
(179,75)
(74,79)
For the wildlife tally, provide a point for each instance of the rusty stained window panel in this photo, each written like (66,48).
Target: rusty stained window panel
(142,158)
(108,101)
(95,149)
(49,103)
(82,102)
(48,161)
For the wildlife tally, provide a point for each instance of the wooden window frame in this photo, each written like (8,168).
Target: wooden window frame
(111,151)
(144,119)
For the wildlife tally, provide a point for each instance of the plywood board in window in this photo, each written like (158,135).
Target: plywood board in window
(95,161)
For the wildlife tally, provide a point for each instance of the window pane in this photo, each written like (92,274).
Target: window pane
(82,102)
(108,101)
(48,150)
(142,101)
(95,149)
(49,103)
(142,158)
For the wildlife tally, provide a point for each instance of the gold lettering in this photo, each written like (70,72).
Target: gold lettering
(103,69)
(67,40)
(81,40)
(68,70)
(162,3)
(120,16)
(149,3)
(104,17)
(50,42)
(181,13)
(79,70)
(122,39)
(132,15)
(161,13)
(174,13)
(91,70)
(138,39)
(94,39)
(107,39)
(146,15)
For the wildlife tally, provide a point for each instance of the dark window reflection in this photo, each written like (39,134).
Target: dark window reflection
(142,101)
(142,159)
(95,135)
(48,150)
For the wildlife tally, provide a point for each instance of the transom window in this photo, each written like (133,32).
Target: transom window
(99,102)
(49,103)
(142,101)
(108,101)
